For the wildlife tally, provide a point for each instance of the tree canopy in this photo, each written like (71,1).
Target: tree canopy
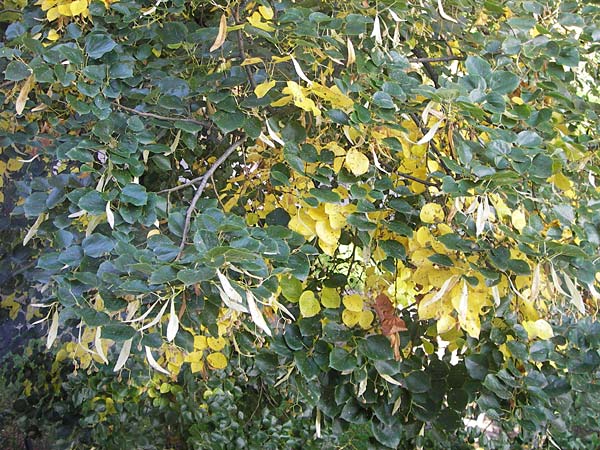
(391,207)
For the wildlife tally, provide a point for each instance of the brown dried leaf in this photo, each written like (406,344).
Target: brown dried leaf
(221,35)
(24,94)
(390,323)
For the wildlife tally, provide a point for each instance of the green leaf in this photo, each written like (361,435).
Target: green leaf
(341,360)
(98,44)
(503,82)
(477,366)
(388,435)
(442,260)
(117,332)
(383,100)
(92,202)
(228,121)
(376,348)
(97,245)
(194,276)
(16,71)
(418,382)
(134,194)
(478,66)
(393,248)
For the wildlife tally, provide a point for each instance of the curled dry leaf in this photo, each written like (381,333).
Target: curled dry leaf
(220,39)
(390,323)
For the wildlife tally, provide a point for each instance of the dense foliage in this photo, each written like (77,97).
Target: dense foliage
(388,209)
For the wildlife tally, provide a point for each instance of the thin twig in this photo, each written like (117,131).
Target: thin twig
(418,180)
(157,116)
(436,59)
(241,47)
(181,186)
(209,173)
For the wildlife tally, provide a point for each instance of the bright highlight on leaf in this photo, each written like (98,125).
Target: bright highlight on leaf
(538,329)
(518,220)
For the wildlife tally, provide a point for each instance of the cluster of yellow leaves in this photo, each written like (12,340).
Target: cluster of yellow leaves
(64,8)
(325,222)
(299,96)
(354,313)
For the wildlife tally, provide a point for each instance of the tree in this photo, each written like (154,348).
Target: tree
(391,206)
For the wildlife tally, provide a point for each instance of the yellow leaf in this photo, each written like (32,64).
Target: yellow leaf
(365,319)
(217,360)
(518,220)
(266,12)
(64,10)
(79,6)
(356,162)
(309,305)
(354,302)
(200,342)
(256,21)
(432,213)
(330,298)
(445,324)
(221,35)
(251,61)
(350,318)
(52,35)
(538,329)
(52,14)
(216,344)
(326,233)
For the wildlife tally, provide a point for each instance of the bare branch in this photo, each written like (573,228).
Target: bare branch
(204,180)
(418,180)
(436,59)
(157,116)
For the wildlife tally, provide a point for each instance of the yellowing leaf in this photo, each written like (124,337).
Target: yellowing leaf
(330,298)
(327,234)
(52,14)
(215,344)
(538,329)
(261,90)
(65,10)
(300,100)
(518,219)
(432,213)
(356,162)
(217,360)
(266,12)
(309,305)
(354,302)
(366,319)
(200,342)
(445,324)
(291,288)
(78,7)
(221,35)
(256,21)
(350,318)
